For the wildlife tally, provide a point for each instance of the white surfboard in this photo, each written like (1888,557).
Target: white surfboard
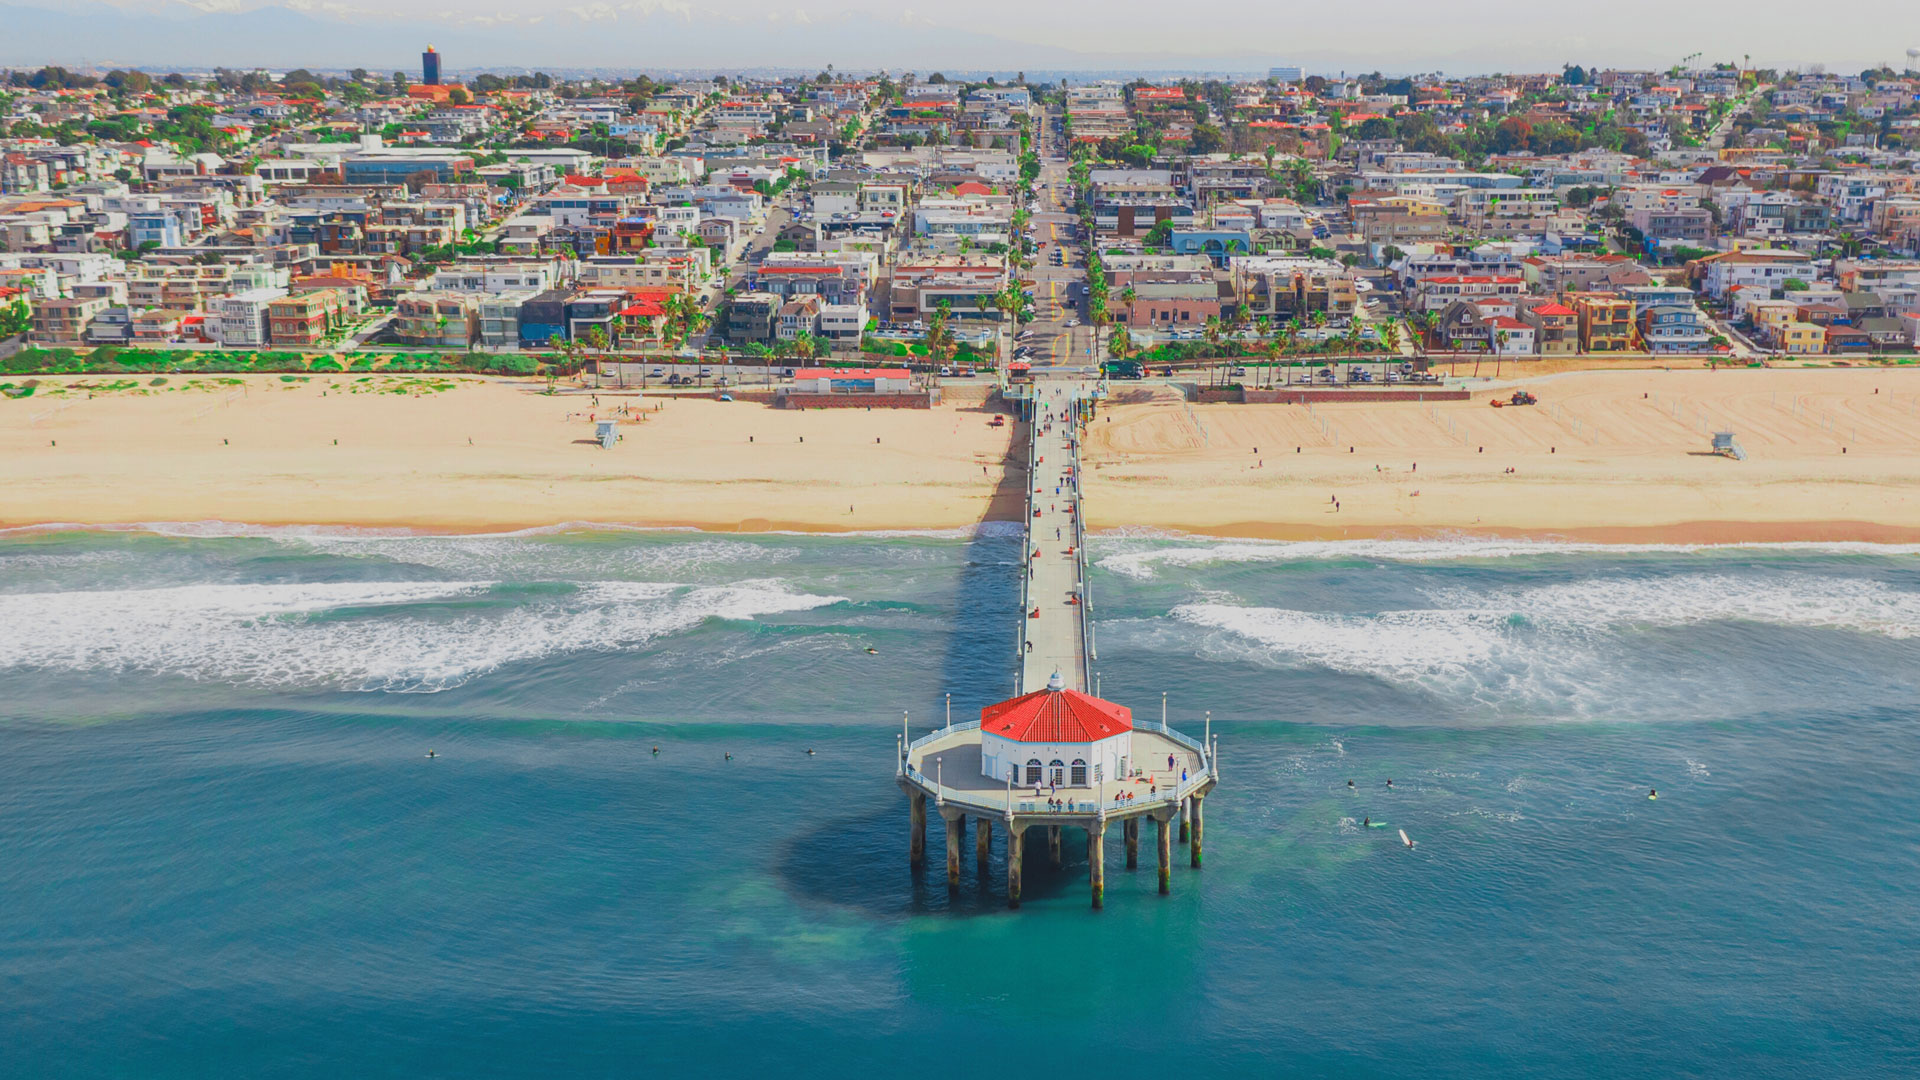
(1404,840)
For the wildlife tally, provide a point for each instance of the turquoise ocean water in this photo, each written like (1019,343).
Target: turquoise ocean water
(223,851)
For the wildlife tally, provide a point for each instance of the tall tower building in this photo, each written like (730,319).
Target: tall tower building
(430,67)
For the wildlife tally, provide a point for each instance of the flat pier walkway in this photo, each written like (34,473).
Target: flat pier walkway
(1059,631)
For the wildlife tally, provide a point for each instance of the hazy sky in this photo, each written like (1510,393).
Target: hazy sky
(1470,35)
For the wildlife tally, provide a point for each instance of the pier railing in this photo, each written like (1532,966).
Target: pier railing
(1023,803)
(1026,559)
(1081,570)
(1018,801)
(940,733)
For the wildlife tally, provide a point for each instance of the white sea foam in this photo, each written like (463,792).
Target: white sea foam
(1147,563)
(429,636)
(1544,642)
(479,555)
(1804,600)
(1442,650)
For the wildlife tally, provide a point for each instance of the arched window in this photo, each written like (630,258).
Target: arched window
(1033,771)
(1058,771)
(1079,773)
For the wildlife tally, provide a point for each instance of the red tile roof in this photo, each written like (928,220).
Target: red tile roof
(1056,716)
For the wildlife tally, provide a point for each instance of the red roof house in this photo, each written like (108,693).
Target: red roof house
(1056,736)
(1056,716)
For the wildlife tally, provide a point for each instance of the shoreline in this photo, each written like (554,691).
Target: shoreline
(1701,534)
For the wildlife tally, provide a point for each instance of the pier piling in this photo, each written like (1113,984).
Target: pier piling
(1198,823)
(1183,820)
(1166,855)
(982,841)
(1130,830)
(956,830)
(917,828)
(1097,861)
(1053,846)
(1016,848)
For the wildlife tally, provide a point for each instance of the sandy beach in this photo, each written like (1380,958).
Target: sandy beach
(480,455)
(1609,456)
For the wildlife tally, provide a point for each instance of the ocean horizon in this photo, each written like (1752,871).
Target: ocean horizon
(227,851)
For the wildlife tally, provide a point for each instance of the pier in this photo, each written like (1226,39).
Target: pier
(1056,756)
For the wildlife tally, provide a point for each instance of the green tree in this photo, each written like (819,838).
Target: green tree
(1207,139)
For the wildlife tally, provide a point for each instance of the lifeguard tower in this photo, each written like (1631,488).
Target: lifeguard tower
(1726,445)
(608,432)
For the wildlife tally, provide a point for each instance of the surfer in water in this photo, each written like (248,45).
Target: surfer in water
(1389,783)
(871,651)
(809,751)
(1349,783)
(1652,793)
(432,754)
(656,751)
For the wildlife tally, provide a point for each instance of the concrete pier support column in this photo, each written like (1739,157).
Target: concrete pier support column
(1198,823)
(1016,848)
(917,828)
(1163,828)
(1053,846)
(982,840)
(956,832)
(1130,830)
(1183,818)
(1097,862)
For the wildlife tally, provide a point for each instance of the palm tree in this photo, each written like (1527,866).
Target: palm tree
(1215,332)
(597,341)
(1290,335)
(1273,342)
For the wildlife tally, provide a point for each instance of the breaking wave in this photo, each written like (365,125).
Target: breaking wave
(1539,643)
(391,636)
